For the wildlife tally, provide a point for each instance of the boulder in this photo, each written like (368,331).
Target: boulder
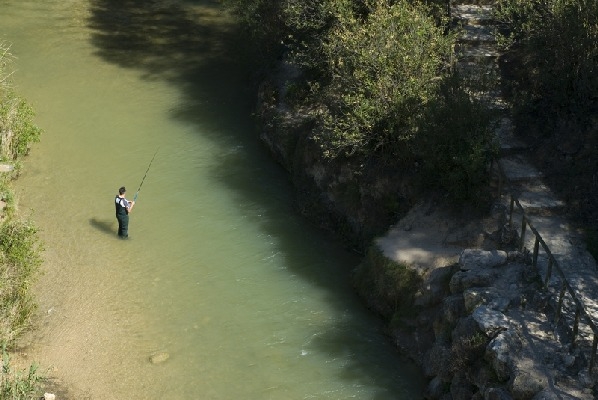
(436,389)
(498,354)
(477,258)
(463,280)
(159,357)
(490,321)
(435,360)
(526,385)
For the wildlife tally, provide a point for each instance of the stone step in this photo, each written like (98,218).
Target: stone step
(477,34)
(479,50)
(536,198)
(483,3)
(491,98)
(472,13)
(478,68)
(473,75)
(6,167)
(517,168)
(507,141)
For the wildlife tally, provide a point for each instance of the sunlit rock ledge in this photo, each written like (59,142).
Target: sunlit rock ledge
(479,325)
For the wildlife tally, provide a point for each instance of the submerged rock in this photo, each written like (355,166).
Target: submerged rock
(159,357)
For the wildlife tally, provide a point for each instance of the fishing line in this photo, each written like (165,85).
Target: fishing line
(148,168)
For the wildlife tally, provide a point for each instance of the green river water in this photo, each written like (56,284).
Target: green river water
(248,299)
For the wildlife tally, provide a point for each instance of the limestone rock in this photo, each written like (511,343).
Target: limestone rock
(435,389)
(435,360)
(476,258)
(461,388)
(490,321)
(434,288)
(159,357)
(474,278)
(476,296)
(498,354)
(525,385)
(545,394)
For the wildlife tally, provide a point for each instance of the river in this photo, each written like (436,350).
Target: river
(248,299)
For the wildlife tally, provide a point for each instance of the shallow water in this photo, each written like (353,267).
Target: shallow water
(247,298)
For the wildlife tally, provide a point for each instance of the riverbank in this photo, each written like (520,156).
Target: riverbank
(478,319)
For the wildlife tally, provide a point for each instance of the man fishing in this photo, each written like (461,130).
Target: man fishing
(123,208)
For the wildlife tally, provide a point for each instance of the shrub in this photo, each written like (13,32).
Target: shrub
(20,257)
(456,144)
(557,52)
(385,69)
(17,130)
(18,385)
(466,351)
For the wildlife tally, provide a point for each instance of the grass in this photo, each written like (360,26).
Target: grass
(20,247)
(20,258)
(18,385)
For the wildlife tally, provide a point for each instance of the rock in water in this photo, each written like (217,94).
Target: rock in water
(159,357)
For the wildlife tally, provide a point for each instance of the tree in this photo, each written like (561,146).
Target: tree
(385,69)
(17,130)
(557,46)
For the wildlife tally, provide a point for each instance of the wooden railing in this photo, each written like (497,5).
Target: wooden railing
(553,267)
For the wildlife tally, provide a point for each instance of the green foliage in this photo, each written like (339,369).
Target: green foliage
(20,249)
(375,84)
(385,69)
(18,385)
(456,144)
(557,46)
(263,21)
(8,198)
(467,351)
(20,258)
(17,130)
(390,284)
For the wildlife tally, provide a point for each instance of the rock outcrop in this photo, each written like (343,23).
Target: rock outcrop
(491,337)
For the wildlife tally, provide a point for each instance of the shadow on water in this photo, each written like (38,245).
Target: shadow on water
(193,45)
(107,227)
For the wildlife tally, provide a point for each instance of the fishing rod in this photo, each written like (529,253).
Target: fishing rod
(148,168)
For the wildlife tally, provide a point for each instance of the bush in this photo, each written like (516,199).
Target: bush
(385,68)
(17,130)
(18,385)
(556,42)
(20,258)
(466,351)
(456,144)
(20,248)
